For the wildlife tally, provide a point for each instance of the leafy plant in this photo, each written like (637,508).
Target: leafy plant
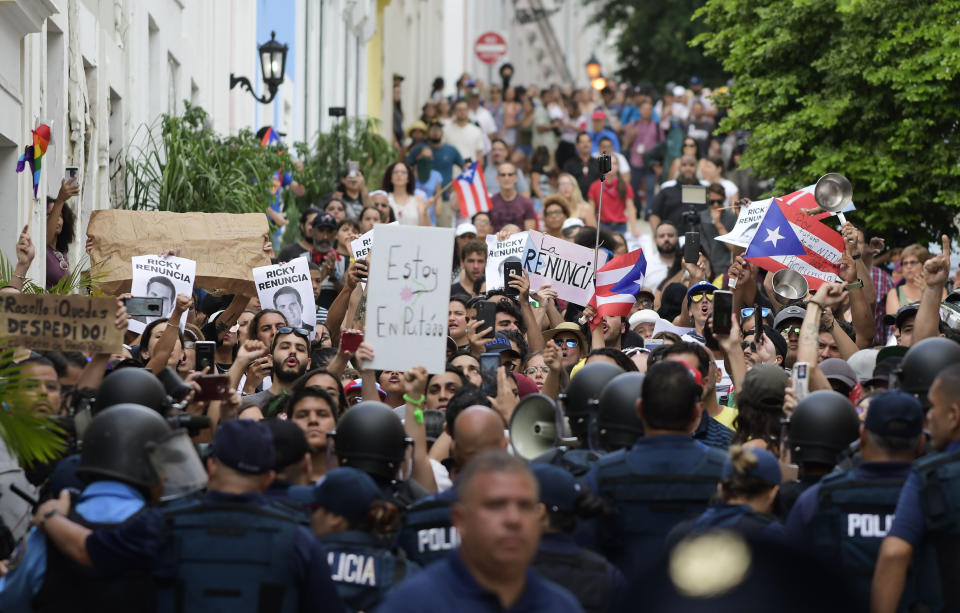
(185,166)
(28,436)
(80,280)
(867,88)
(325,159)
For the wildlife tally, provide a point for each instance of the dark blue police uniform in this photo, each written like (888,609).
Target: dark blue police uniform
(595,582)
(928,517)
(364,568)
(653,486)
(737,517)
(449,586)
(428,535)
(227,553)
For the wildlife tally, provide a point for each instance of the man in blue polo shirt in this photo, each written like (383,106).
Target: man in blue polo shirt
(498,515)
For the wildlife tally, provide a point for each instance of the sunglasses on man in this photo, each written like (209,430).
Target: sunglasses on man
(788,330)
(747,312)
(301,332)
(569,342)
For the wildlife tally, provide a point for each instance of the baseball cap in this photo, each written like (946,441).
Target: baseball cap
(571,222)
(895,413)
(324,220)
(703,287)
(435,123)
(678,90)
(500,344)
(767,468)
(779,343)
(466,228)
(598,114)
(785,315)
(764,385)
(837,369)
(644,316)
(559,490)
(345,491)
(289,442)
(908,310)
(695,80)
(246,446)
(883,370)
(863,362)
(893,351)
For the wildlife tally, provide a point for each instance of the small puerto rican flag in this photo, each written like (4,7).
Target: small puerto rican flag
(472,191)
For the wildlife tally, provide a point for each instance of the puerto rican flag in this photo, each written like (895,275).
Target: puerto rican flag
(618,282)
(823,246)
(472,191)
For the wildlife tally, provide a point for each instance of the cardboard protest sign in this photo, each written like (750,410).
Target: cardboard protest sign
(225,246)
(287,288)
(47,322)
(511,249)
(566,266)
(159,277)
(407,297)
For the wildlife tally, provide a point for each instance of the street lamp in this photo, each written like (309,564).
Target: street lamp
(273,63)
(593,68)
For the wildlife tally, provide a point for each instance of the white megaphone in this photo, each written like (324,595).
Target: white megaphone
(537,426)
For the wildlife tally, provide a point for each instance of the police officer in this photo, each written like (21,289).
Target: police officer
(823,424)
(749,486)
(428,534)
(618,425)
(845,516)
(632,480)
(593,580)
(371,438)
(579,402)
(228,551)
(356,525)
(119,481)
(926,523)
(498,516)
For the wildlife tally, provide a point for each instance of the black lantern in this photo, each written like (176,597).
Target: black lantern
(273,63)
(593,68)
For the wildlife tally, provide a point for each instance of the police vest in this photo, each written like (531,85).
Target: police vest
(939,556)
(746,521)
(649,505)
(67,586)
(585,573)
(427,534)
(228,557)
(364,568)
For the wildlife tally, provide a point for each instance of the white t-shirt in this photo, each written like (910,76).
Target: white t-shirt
(467,139)
(656,269)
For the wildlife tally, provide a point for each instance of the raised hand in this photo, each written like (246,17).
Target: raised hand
(937,269)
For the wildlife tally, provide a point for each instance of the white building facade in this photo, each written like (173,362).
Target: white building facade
(99,72)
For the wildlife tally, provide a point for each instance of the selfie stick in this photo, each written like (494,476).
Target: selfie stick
(596,246)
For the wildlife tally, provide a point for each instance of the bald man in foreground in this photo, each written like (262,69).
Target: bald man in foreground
(428,533)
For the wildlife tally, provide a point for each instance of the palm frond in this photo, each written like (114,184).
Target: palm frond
(28,436)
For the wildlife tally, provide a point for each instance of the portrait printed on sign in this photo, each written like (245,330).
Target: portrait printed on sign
(163,278)
(287,288)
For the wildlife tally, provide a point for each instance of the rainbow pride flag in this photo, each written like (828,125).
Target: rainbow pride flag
(32,154)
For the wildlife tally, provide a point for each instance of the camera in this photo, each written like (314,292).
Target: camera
(603,163)
(691,217)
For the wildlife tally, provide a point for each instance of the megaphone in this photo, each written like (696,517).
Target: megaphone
(789,286)
(536,426)
(833,192)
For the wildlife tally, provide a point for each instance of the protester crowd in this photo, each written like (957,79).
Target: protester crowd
(636,462)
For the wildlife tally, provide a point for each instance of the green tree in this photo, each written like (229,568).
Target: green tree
(867,88)
(652,41)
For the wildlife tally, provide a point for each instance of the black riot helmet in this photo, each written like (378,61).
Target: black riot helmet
(115,445)
(618,423)
(131,386)
(923,361)
(823,424)
(371,438)
(580,398)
